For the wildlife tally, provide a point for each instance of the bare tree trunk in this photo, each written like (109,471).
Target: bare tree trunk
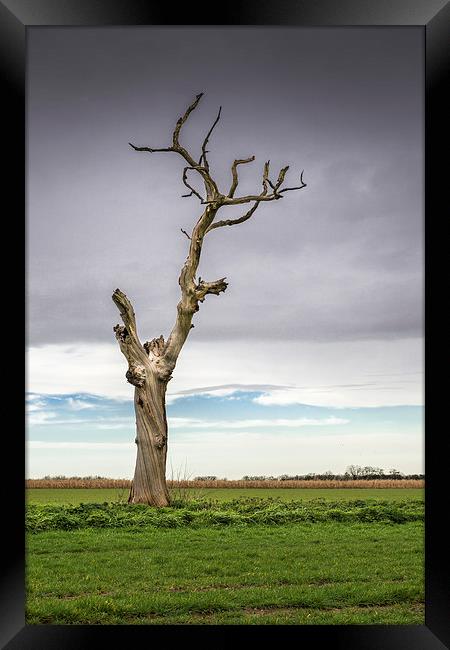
(149,375)
(150,365)
(149,482)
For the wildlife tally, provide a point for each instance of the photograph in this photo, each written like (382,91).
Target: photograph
(225,325)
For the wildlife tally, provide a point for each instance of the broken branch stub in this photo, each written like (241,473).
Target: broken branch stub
(155,346)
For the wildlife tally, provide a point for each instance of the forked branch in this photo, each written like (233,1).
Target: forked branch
(213,195)
(193,292)
(300,187)
(210,185)
(193,191)
(265,195)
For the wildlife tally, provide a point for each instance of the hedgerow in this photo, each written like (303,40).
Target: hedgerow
(201,512)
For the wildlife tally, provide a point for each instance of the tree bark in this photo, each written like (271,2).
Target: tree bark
(150,382)
(149,482)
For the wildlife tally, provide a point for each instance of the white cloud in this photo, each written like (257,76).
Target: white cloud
(79,405)
(217,392)
(229,391)
(358,373)
(263,454)
(98,369)
(258,454)
(104,423)
(113,459)
(240,424)
(42,417)
(342,396)
(97,423)
(115,425)
(34,406)
(111,446)
(33,397)
(170,399)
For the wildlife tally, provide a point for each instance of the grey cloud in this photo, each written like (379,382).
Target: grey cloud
(236,387)
(342,259)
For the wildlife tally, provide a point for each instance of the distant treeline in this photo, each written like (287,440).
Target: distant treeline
(352,473)
(355,476)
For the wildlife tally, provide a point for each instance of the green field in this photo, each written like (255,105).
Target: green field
(99,495)
(240,560)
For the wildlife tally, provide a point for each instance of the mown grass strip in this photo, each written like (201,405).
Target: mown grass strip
(98,608)
(231,574)
(120,495)
(397,614)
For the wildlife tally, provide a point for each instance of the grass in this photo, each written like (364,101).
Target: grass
(99,495)
(226,556)
(296,573)
(203,513)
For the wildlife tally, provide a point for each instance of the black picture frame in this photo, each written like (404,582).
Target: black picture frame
(434,17)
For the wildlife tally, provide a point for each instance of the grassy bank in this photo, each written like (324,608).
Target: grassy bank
(202,513)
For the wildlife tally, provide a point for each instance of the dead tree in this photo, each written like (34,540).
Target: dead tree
(151,364)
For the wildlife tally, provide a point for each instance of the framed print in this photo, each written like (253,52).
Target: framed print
(253,197)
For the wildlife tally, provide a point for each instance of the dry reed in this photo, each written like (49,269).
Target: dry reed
(125,483)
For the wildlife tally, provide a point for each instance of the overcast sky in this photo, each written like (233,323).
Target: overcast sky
(325,299)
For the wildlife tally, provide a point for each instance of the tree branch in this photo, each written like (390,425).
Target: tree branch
(210,185)
(149,149)
(205,142)
(204,288)
(126,312)
(234,174)
(280,179)
(128,340)
(193,191)
(233,222)
(300,187)
(182,120)
(266,179)
(264,196)
(193,292)
(251,197)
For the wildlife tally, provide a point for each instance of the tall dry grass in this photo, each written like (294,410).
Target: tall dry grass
(189,484)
